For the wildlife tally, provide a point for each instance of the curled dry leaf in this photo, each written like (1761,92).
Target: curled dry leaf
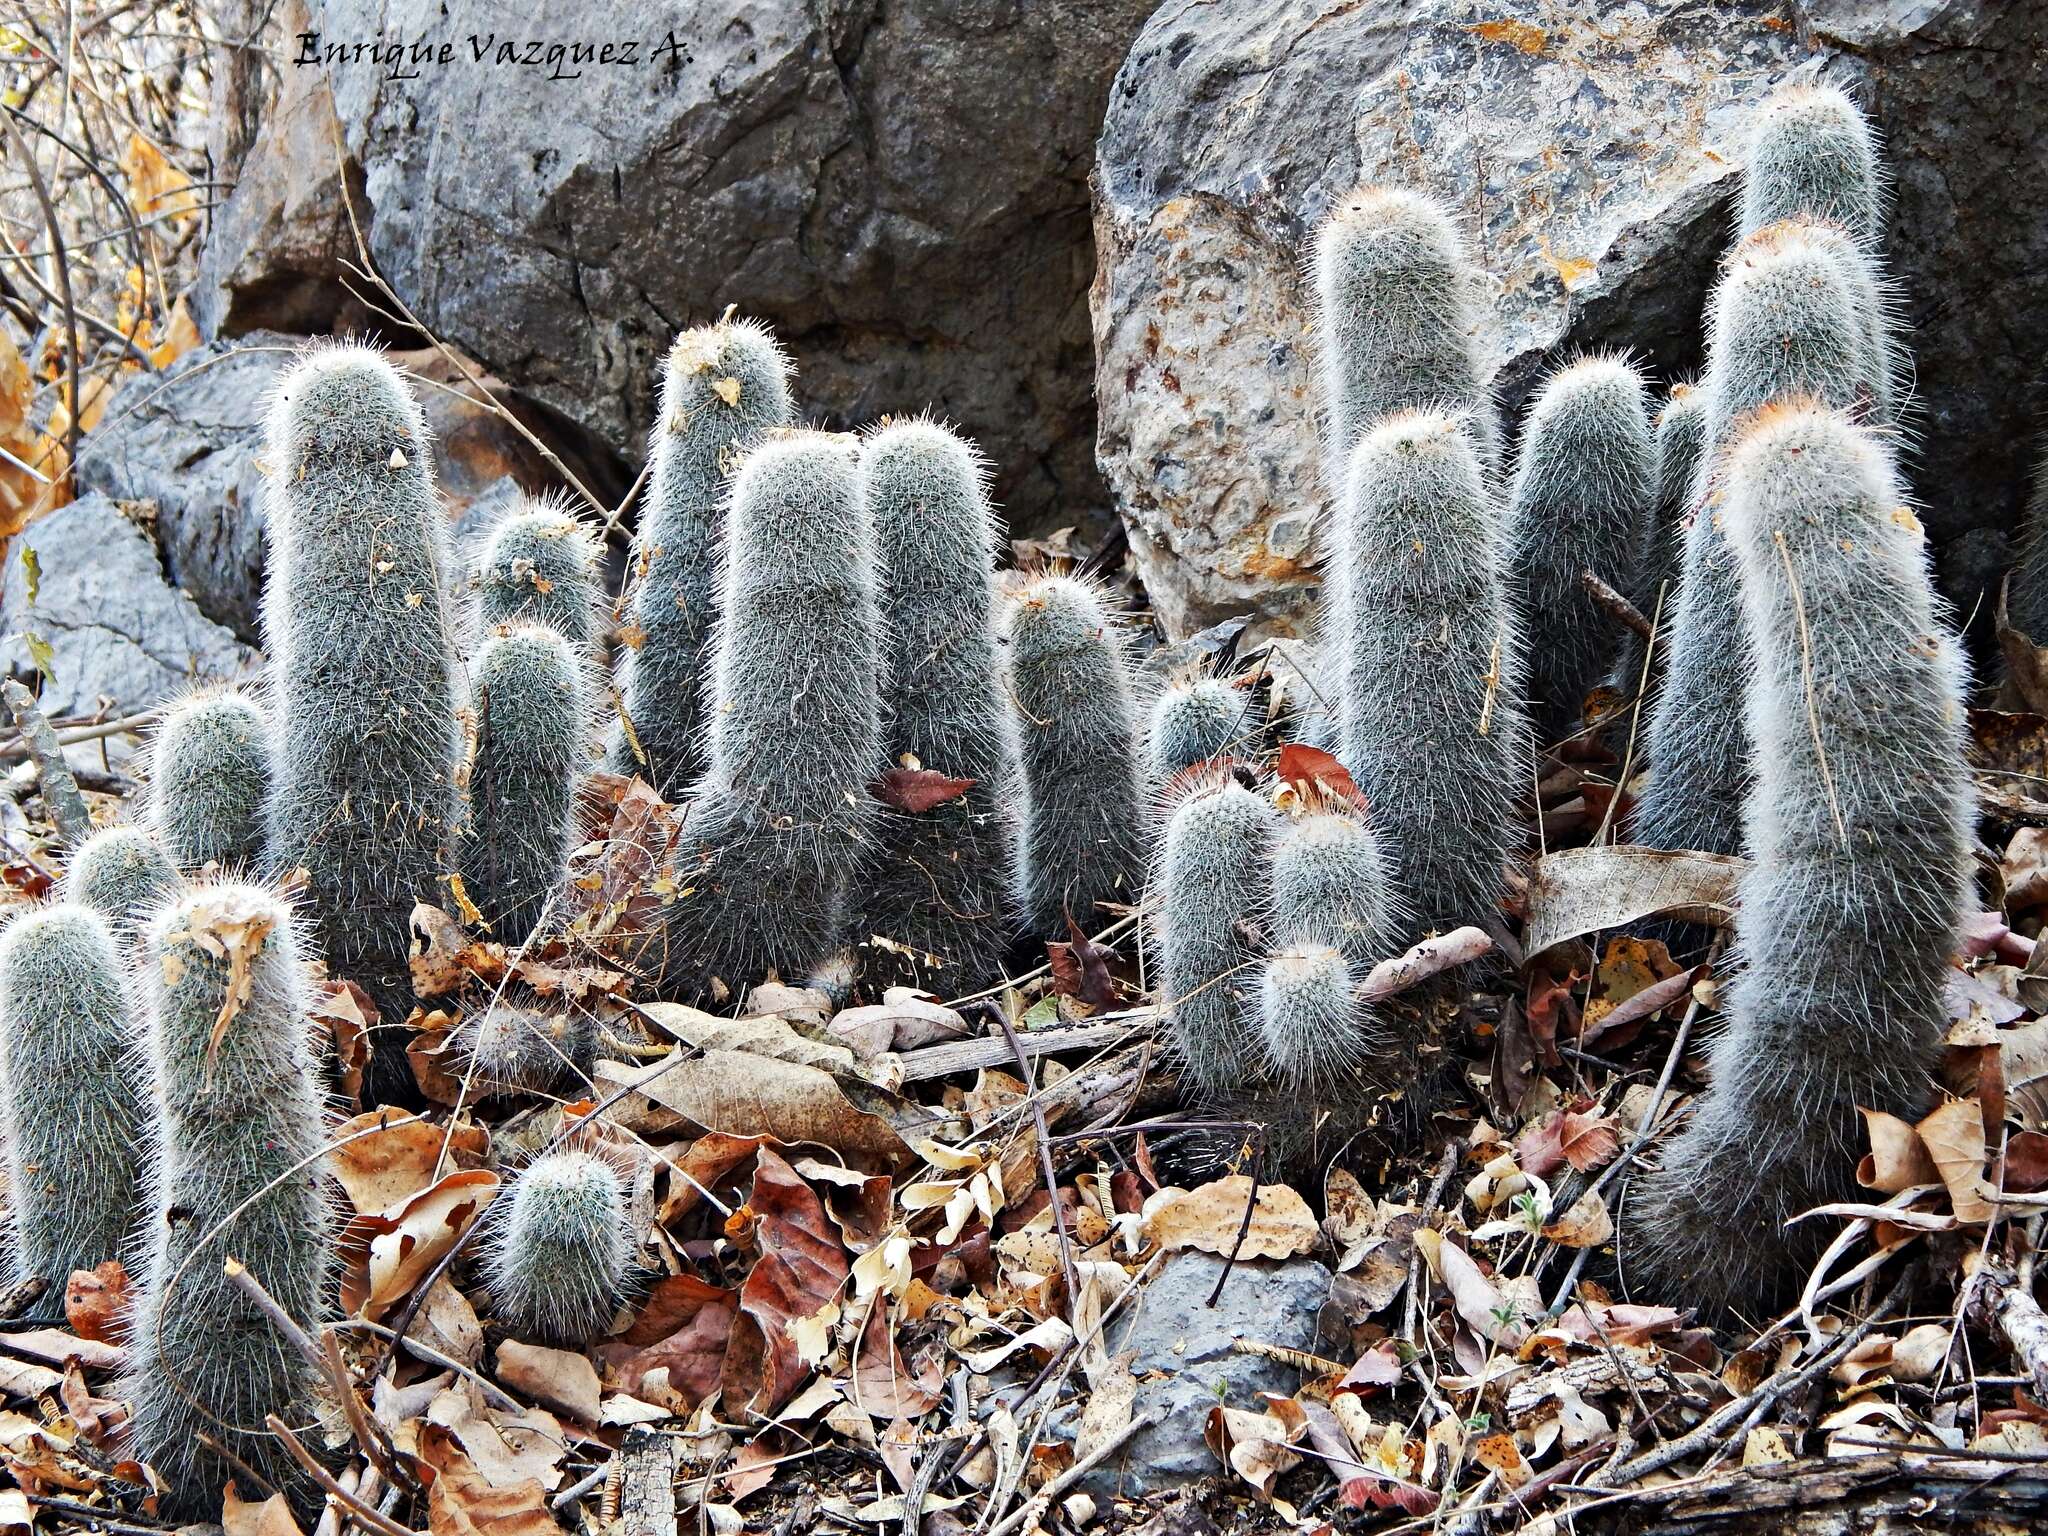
(1897,1159)
(1587,1224)
(1258,1447)
(799,1272)
(96,1303)
(245,1517)
(462,1502)
(1210,1218)
(387,1155)
(349,1016)
(903,1021)
(742,1094)
(1953,1134)
(1311,771)
(385,1255)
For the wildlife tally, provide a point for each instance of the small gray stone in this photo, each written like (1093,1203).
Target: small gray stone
(120,632)
(1185,1348)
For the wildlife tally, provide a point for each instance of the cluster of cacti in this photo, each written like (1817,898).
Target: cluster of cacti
(1796,312)
(364,687)
(533,721)
(123,874)
(72,1108)
(933,884)
(1080,838)
(209,777)
(557,1255)
(1194,719)
(234,1172)
(784,815)
(1584,494)
(1860,828)
(723,387)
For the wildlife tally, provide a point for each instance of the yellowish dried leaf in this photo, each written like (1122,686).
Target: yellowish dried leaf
(1210,1218)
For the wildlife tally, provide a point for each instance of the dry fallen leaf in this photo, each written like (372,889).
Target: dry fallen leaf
(1954,1136)
(386,1156)
(1897,1158)
(462,1502)
(1210,1217)
(384,1256)
(96,1302)
(272,1517)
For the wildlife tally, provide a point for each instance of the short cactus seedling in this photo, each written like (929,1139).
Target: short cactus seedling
(123,874)
(533,712)
(1783,321)
(1426,655)
(933,886)
(557,1260)
(1213,885)
(784,815)
(723,386)
(73,1096)
(1401,309)
(541,564)
(514,1049)
(209,775)
(1860,829)
(1312,1029)
(1080,839)
(234,1172)
(1584,494)
(1813,155)
(1195,719)
(363,672)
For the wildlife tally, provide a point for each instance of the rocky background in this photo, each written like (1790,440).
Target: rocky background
(1072,227)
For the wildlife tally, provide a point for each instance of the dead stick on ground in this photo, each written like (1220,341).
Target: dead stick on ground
(326,1479)
(1617,607)
(1074,1474)
(1052,1185)
(60,790)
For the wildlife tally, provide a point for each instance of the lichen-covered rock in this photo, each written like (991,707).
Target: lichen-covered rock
(1233,129)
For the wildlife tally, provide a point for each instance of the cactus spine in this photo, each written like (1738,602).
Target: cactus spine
(1584,490)
(533,724)
(934,881)
(1079,838)
(541,565)
(557,1260)
(784,813)
(1813,155)
(1783,321)
(209,775)
(363,664)
(1400,311)
(723,386)
(1195,719)
(236,1142)
(73,1098)
(123,874)
(1427,654)
(1860,828)
(1213,884)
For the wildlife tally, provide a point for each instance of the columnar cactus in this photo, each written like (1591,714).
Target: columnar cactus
(1401,309)
(533,712)
(73,1094)
(1813,155)
(934,880)
(363,671)
(1213,885)
(784,814)
(1333,885)
(234,1172)
(542,565)
(723,386)
(123,874)
(557,1259)
(2026,592)
(209,776)
(1426,652)
(1194,719)
(1080,836)
(1860,828)
(1783,321)
(1584,493)
(1681,444)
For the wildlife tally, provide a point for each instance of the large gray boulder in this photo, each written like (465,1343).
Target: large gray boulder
(900,189)
(121,636)
(1593,159)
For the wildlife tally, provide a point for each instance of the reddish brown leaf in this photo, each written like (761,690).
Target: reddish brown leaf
(1587,1141)
(28,877)
(2024,1169)
(626,886)
(683,1328)
(1378,1367)
(1080,968)
(800,1271)
(1308,768)
(349,1015)
(96,1303)
(462,1502)
(883,1385)
(917,790)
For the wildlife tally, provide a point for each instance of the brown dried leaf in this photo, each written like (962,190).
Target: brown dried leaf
(1080,968)
(741,1093)
(272,1517)
(914,791)
(384,1256)
(1954,1136)
(681,1332)
(349,1015)
(397,1157)
(1586,1225)
(1312,770)
(96,1303)
(462,1502)
(554,1378)
(1578,891)
(1897,1158)
(799,1272)
(1209,1218)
